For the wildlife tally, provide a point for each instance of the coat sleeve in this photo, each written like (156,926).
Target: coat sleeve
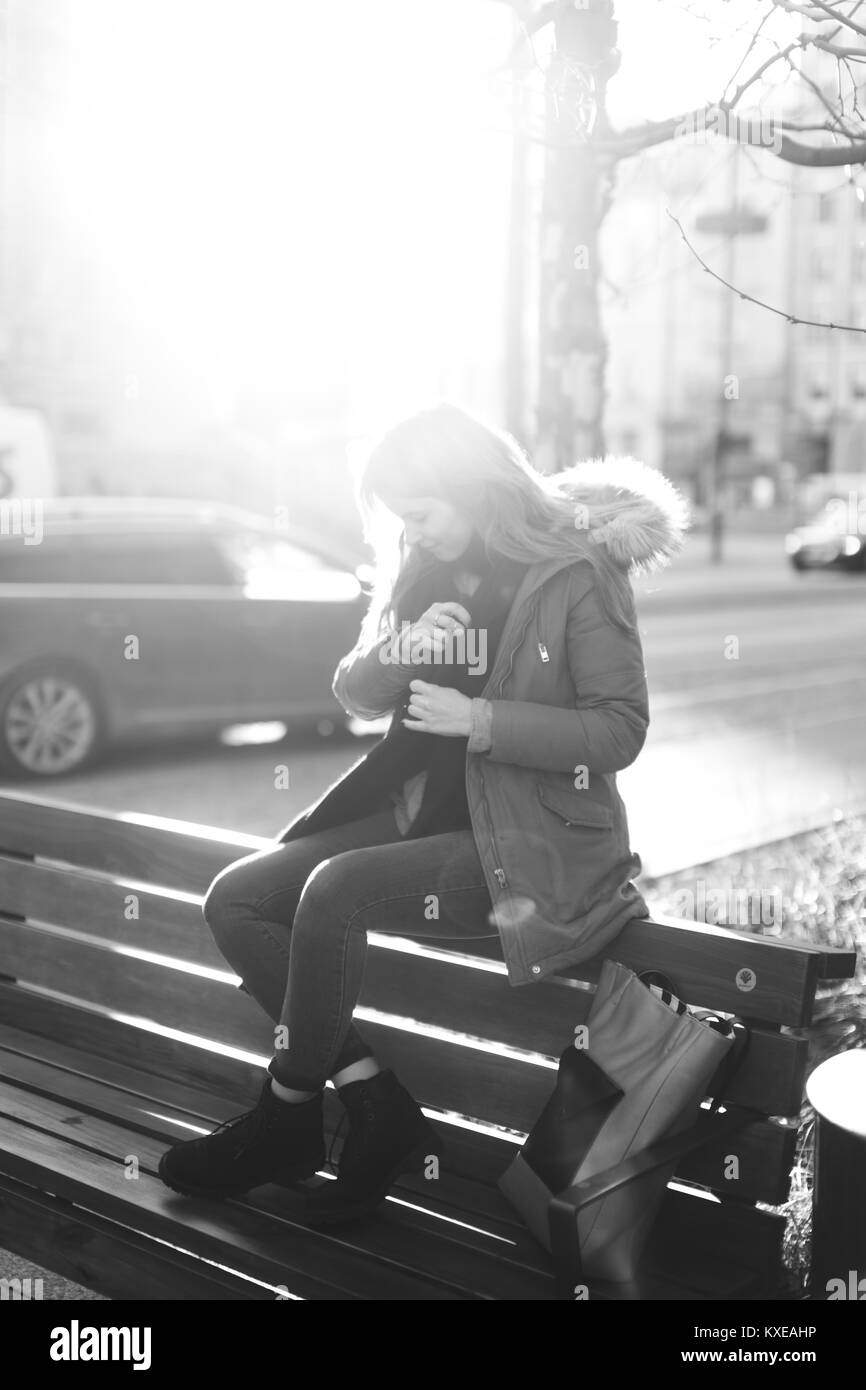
(367,685)
(607,727)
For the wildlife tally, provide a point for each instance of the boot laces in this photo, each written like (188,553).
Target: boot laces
(255,1121)
(329,1162)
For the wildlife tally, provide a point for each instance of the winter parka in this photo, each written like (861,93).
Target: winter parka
(569,711)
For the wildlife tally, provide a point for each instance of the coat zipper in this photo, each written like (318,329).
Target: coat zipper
(499,872)
(532,606)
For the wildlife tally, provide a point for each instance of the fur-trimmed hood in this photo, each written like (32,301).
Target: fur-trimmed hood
(632,509)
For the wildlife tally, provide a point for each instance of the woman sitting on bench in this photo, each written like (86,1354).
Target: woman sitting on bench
(502,633)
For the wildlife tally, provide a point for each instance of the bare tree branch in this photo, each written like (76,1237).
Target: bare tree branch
(840,18)
(630,142)
(837,50)
(824,13)
(759,72)
(854,101)
(836,118)
(751,299)
(740,64)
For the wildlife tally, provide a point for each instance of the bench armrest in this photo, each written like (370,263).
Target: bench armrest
(565,1206)
(837,963)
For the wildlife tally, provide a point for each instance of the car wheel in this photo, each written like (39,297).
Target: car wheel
(50,723)
(798,564)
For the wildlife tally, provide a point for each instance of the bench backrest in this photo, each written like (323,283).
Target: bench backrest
(103,946)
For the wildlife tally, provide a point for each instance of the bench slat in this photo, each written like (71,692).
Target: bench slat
(167,922)
(458,1260)
(771,1079)
(492,1089)
(115,1049)
(444,992)
(151,848)
(234,1233)
(180,1077)
(724,1228)
(704,962)
(111,1260)
(158,851)
(151,1104)
(765,1150)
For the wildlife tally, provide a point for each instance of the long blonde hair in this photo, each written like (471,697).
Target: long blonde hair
(520,513)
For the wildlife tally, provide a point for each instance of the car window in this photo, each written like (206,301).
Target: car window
(159,559)
(52,561)
(115,558)
(251,552)
(269,566)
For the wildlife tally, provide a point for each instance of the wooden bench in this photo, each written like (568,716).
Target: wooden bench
(123,1030)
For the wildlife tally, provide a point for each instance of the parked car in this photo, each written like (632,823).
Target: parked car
(141,617)
(833,539)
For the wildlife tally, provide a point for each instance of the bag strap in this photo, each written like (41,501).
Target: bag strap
(731,1062)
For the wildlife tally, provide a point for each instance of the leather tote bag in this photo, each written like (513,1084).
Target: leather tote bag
(648,1062)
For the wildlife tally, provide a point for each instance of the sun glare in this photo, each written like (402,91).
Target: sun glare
(266,185)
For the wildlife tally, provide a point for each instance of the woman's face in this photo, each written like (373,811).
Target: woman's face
(431,523)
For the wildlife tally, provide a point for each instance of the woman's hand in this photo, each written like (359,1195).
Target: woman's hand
(439,710)
(436,627)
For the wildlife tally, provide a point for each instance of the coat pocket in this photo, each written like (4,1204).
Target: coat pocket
(574,807)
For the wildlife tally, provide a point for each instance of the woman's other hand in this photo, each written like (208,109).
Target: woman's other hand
(439,710)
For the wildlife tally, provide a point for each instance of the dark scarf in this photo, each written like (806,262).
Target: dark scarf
(443,756)
(403,752)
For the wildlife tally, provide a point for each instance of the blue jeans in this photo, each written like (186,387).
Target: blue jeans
(293,920)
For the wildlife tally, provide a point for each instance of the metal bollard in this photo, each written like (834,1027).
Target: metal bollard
(837,1091)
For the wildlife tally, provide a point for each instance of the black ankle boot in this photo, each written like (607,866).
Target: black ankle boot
(277,1141)
(388,1134)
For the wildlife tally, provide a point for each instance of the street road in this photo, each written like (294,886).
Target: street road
(758,729)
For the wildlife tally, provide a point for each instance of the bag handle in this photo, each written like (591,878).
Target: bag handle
(656,979)
(733,1060)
